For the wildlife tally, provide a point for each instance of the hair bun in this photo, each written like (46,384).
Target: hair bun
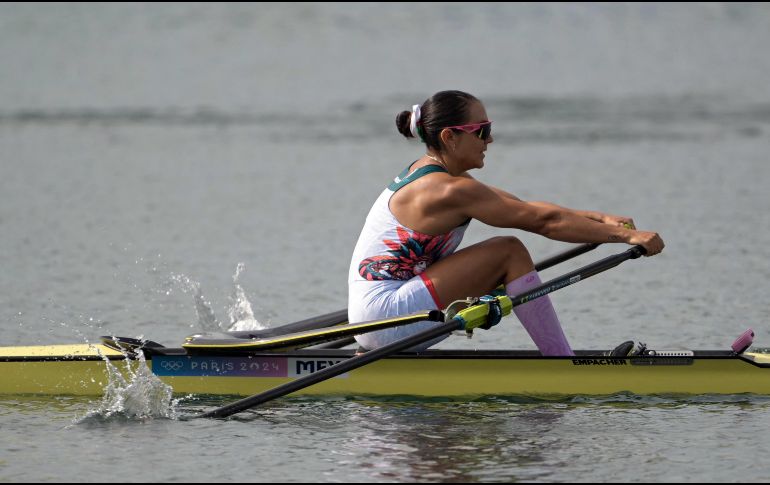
(403,123)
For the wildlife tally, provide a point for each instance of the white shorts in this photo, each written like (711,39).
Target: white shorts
(375,300)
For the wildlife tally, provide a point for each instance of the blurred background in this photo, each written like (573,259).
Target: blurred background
(167,168)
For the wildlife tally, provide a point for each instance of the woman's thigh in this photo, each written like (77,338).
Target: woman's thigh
(479,269)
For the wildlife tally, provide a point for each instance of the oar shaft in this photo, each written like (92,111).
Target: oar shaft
(321,321)
(539,266)
(333,371)
(564,256)
(341,316)
(578,275)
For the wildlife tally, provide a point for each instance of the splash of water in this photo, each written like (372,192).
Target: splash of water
(206,319)
(135,393)
(240,311)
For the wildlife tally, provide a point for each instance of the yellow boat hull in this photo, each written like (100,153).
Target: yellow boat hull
(82,370)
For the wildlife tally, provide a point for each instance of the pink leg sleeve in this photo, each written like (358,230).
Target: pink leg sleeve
(539,317)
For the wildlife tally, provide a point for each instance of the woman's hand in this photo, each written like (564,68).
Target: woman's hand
(621,221)
(650,241)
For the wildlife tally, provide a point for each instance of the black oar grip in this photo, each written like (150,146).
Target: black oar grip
(637,251)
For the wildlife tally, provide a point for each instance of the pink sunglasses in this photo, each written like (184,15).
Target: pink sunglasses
(484,129)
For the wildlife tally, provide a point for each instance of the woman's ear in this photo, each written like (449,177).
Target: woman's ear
(447,137)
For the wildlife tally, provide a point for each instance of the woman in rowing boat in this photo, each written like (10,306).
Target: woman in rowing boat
(405,259)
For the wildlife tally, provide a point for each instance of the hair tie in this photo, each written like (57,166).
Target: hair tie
(415,119)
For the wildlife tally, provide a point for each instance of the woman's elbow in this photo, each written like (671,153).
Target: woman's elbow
(548,223)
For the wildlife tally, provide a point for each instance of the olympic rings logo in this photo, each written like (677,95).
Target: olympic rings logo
(173,365)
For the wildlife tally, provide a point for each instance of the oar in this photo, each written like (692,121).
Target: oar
(341,316)
(540,266)
(313,323)
(418,338)
(564,256)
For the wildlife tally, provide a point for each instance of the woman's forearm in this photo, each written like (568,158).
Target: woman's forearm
(593,215)
(573,226)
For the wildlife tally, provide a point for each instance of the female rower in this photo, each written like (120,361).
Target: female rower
(405,259)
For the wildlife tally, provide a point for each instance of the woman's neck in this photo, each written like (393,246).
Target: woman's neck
(441,161)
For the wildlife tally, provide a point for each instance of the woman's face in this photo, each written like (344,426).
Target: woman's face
(467,149)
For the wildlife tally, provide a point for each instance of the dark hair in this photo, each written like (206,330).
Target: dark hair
(445,108)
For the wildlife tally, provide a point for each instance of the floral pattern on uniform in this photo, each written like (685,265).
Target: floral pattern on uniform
(409,256)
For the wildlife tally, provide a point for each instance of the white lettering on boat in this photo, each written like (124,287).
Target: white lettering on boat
(212,366)
(220,366)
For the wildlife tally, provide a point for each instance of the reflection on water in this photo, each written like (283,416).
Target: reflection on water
(497,438)
(471,442)
(404,439)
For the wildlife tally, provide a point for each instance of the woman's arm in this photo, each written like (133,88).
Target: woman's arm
(593,215)
(498,208)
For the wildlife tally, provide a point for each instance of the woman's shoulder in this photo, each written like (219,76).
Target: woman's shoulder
(463,185)
(443,191)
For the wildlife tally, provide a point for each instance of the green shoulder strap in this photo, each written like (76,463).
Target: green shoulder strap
(404,179)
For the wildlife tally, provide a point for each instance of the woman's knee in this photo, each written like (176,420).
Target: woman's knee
(510,245)
(512,250)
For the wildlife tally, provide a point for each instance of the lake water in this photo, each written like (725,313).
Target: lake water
(168,168)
